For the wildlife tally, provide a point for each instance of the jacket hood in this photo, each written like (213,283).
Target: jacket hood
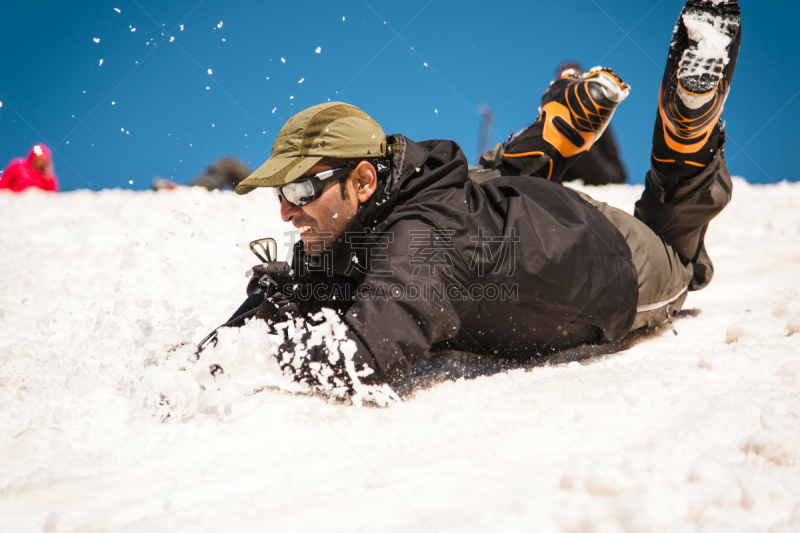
(418,167)
(40,150)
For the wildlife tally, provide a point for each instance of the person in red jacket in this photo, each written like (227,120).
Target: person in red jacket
(36,171)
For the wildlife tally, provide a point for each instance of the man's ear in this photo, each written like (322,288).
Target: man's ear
(365,181)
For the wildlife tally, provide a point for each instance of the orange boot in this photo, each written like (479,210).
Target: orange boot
(700,65)
(575,111)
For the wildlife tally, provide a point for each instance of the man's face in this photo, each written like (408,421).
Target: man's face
(322,221)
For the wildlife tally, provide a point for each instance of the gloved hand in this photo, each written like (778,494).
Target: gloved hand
(268,297)
(270,277)
(277,282)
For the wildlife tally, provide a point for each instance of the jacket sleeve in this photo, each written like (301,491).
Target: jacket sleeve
(409,300)
(406,303)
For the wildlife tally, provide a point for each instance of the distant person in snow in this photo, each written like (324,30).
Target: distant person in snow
(226,172)
(404,252)
(35,171)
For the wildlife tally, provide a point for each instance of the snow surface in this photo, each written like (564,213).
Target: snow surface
(108,424)
(710,33)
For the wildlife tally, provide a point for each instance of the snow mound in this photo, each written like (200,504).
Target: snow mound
(110,422)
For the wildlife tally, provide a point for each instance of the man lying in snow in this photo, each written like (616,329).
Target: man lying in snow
(403,253)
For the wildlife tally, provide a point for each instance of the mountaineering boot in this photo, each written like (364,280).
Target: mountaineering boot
(689,183)
(575,111)
(697,77)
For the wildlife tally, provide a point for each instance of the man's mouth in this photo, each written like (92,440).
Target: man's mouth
(304,229)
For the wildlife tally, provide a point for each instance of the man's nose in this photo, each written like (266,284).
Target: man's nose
(288,212)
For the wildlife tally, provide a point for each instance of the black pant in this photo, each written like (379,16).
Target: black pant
(667,239)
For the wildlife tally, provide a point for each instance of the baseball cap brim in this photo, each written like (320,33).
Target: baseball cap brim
(277,171)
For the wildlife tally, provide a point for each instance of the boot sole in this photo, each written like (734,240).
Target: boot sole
(699,70)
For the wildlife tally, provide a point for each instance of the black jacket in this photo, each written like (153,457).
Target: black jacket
(515,267)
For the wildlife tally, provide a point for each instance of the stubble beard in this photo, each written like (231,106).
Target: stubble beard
(323,239)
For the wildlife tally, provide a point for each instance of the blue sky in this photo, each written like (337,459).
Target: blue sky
(152,108)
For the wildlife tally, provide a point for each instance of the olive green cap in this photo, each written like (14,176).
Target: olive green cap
(333,129)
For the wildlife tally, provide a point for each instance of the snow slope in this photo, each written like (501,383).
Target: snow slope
(107,423)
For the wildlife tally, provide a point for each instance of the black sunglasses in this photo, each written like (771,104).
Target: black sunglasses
(308,188)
